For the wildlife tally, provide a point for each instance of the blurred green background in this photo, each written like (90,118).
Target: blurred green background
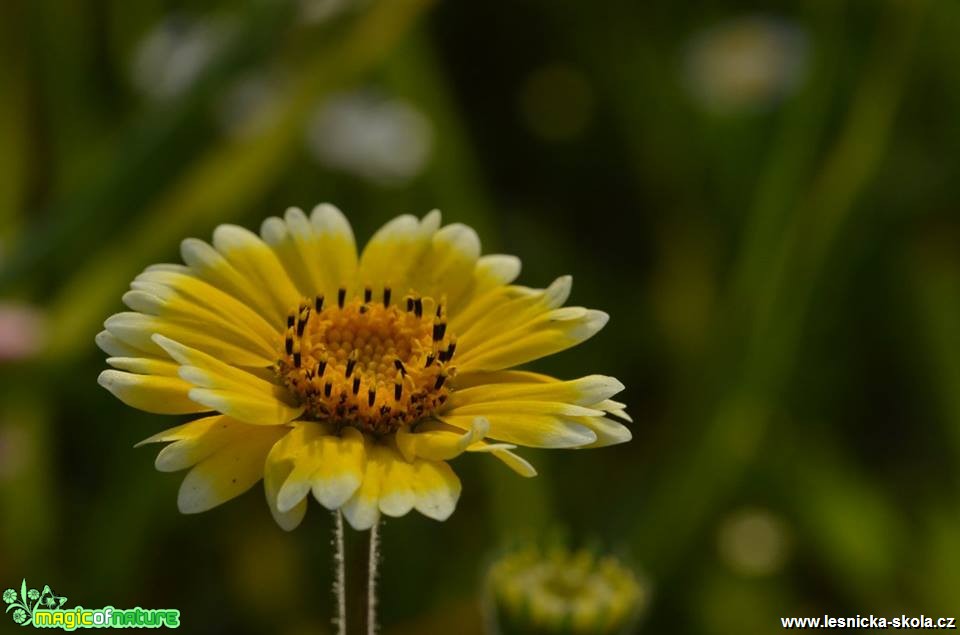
(762,195)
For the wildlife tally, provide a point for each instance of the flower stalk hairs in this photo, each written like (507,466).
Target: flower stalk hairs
(354,377)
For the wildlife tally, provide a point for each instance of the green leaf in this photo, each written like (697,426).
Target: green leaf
(23,590)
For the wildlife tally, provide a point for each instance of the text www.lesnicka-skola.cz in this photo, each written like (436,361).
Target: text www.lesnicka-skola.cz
(870,621)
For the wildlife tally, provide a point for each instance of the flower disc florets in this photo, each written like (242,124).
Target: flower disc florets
(372,364)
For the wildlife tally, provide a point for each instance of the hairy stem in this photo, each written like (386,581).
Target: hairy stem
(339,586)
(373,563)
(361,564)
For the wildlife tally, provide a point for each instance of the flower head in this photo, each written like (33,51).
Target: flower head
(562,591)
(33,594)
(19,616)
(352,377)
(9,596)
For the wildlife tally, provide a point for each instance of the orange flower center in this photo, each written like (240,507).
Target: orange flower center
(370,364)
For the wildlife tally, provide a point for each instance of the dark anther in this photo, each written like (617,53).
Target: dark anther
(447,355)
(399,366)
(440,380)
(430,359)
(290,320)
(386,296)
(318,303)
(371,397)
(341,297)
(296,359)
(356,384)
(367,294)
(289,344)
(302,324)
(327,389)
(397,391)
(321,367)
(418,307)
(350,364)
(363,308)
(439,310)
(409,304)
(438,330)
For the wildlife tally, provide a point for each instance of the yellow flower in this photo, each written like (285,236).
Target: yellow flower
(352,377)
(562,591)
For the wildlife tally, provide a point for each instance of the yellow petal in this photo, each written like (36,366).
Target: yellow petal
(394,249)
(439,444)
(342,467)
(228,472)
(362,510)
(274,474)
(531,429)
(145,365)
(436,488)
(507,308)
(447,266)
(248,408)
(555,331)
(184,293)
(608,431)
(397,496)
(137,329)
(337,246)
(206,371)
(156,394)
(301,450)
(210,265)
(194,441)
(585,391)
(503,452)
(115,347)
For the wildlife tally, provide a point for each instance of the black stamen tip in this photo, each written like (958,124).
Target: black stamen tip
(371,397)
(397,391)
(430,359)
(296,359)
(327,389)
(301,325)
(386,296)
(367,294)
(356,384)
(418,307)
(409,304)
(399,366)
(440,380)
(289,345)
(290,320)
(438,330)
(318,303)
(341,297)
(321,368)
(363,308)
(350,364)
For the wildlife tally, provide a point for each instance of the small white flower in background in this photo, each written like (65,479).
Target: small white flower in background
(172,55)
(248,105)
(22,331)
(746,63)
(385,140)
(753,542)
